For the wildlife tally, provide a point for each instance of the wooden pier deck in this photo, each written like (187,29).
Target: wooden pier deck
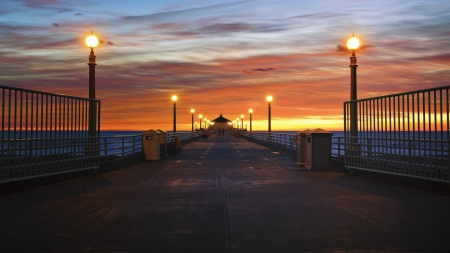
(224,194)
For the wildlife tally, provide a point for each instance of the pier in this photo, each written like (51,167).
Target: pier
(224,194)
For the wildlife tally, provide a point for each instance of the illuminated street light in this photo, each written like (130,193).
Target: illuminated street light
(242,120)
(174,99)
(192,111)
(250,111)
(353,44)
(92,42)
(200,116)
(269,99)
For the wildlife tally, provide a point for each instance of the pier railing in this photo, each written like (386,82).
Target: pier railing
(287,143)
(45,134)
(403,134)
(113,147)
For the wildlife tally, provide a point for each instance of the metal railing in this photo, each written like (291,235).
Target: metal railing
(44,134)
(287,143)
(112,147)
(403,134)
(185,137)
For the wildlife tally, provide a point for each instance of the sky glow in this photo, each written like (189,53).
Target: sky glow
(224,57)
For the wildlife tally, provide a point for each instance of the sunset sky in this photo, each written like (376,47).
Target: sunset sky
(221,56)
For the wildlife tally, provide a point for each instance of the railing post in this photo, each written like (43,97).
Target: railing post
(123,146)
(105,143)
(339,147)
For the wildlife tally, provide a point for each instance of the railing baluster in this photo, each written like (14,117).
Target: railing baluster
(407,134)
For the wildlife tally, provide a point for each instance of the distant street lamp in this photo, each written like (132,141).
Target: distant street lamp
(269,99)
(353,44)
(242,121)
(250,111)
(92,42)
(192,111)
(200,116)
(174,99)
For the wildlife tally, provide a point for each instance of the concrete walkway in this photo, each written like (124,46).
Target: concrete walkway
(224,195)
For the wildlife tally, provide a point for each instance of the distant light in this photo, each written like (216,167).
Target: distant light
(200,116)
(250,111)
(353,43)
(91,41)
(269,98)
(192,110)
(242,115)
(174,98)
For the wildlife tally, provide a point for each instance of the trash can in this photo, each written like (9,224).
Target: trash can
(318,150)
(301,147)
(174,146)
(150,143)
(162,142)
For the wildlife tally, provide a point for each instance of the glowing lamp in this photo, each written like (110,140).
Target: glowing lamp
(242,115)
(91,41)
(269,98)
(250,111)
(174,98)
(353,43)
(192,110)
(200,116)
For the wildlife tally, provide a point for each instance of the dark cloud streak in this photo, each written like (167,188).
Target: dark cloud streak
(255,71)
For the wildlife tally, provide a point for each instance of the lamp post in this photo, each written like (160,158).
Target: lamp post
(269,99)
(242,121)
(192,112)
(204,121)
(174,99)
(200,116)
(92,42)
(353,44)
(250,111)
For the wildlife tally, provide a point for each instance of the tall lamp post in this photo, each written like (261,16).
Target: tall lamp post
(174,99)
(200,117)
(192,111)
(250,111)
(242,121)
(269,99)
(92,42)
(353,44)
(204,121)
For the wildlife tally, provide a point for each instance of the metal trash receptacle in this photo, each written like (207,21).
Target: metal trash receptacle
(174,146)
(150,144)
(301,147)
(162,142)
(318,150)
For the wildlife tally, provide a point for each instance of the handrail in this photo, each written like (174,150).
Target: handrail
(287,143)
(405,134)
